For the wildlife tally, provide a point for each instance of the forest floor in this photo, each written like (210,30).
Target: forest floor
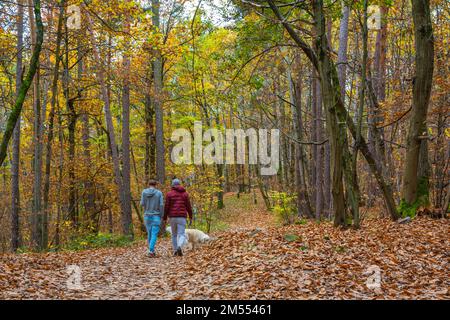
(253,258)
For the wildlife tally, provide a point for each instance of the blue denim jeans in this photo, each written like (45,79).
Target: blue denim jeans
(178,226)
(152,224)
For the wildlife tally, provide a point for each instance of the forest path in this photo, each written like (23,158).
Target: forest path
(252,259)
(122,273)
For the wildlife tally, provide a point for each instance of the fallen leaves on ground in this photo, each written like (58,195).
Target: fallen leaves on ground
(318,261)
(263,261)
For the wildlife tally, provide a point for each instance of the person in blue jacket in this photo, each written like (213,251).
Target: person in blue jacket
(152,200)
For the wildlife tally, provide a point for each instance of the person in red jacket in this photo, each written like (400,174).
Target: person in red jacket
(177,208)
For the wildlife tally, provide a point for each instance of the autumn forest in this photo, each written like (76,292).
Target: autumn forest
(350,98)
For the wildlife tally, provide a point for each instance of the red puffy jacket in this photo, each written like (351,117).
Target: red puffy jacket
(177,203)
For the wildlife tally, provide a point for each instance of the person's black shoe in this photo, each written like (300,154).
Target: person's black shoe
(179,252)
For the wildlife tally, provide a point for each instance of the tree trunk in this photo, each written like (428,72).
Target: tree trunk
(342,75)
(157,82)
(377,83)
(220,172)
(110,221)
(336,133)
(138,182)
(15,176)
(53,100)
(380,86)
(313,100)
(442,157)
(354,195)
(349,162)
(89,189)
(71,127)
(424,60)
(342,51)
(149,160)
(295,90)
(127,223)
(60,180)
(38,232)
(318,161)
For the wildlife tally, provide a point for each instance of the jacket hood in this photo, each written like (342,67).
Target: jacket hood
(179,189)
(150,192)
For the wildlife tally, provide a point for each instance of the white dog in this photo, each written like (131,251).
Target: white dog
(193,237)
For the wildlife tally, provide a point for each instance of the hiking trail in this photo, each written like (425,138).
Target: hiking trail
(252,259)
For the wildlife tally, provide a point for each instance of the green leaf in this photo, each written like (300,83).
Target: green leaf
(291,237)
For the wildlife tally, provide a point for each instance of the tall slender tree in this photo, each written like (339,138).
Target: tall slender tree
(126,206)
(51,117)
(38,232)
(72,118)
(15,176)
(157,99)
(424,61)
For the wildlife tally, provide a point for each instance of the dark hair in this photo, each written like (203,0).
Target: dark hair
(152,182)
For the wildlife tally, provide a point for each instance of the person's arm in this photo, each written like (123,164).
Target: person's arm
(188,206)
(161,204)
(142,199)
(166,207)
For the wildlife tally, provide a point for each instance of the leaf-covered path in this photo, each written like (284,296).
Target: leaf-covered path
(252,259)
